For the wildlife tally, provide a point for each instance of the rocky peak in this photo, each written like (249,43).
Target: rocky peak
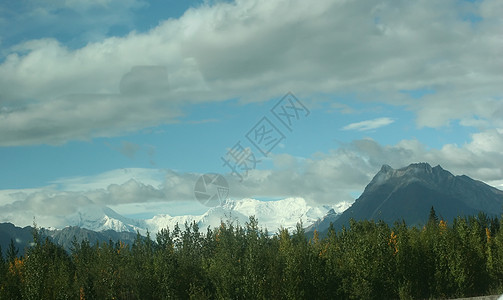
(422,166)
(386,169)
(414,172)
(408,193)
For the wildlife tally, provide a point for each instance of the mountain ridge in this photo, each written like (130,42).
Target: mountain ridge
(408,193)
(393,194)
(23,236)
(101,224)
(272,215)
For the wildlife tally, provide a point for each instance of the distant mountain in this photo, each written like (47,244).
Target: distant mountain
(101,218)
(65,236)
(324,223)
(23,237)
(270,214)
(409,193)
(100,223)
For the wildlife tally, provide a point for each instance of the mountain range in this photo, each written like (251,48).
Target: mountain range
(23,236)
(393,194)
(270,214)
(101,223)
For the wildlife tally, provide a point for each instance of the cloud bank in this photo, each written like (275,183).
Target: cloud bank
(255,50)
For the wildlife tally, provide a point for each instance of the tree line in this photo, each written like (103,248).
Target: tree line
(366,260)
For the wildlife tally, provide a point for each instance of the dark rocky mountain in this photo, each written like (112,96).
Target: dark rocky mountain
(409,193)
(23,237)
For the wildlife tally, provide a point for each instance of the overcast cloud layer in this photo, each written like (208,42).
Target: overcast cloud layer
(50,93)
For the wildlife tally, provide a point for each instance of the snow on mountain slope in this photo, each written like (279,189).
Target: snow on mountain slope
(274,214)
(100,218)
(211,218)
(270,214)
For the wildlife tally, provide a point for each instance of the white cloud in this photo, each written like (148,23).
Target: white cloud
(153,177)
(369,124)
(256,50)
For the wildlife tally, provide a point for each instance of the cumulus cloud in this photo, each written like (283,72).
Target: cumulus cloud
(369,124)
(50,207)
(152,177)
(256,50)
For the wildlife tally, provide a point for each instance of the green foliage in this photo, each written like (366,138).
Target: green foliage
(368,260)
(12,251)
(432,219)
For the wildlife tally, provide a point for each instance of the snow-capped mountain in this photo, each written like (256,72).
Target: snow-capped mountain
(272,215)
(287,212)
(100,218)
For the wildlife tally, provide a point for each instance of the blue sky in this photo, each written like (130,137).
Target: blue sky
(127,103)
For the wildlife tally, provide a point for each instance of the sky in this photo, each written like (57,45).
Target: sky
(127,103)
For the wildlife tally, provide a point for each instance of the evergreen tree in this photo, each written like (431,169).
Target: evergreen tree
(432,219)
(84,259)
(367,260)
(12,251)
(3,270)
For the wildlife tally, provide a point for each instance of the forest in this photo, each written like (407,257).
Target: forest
(366,260)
